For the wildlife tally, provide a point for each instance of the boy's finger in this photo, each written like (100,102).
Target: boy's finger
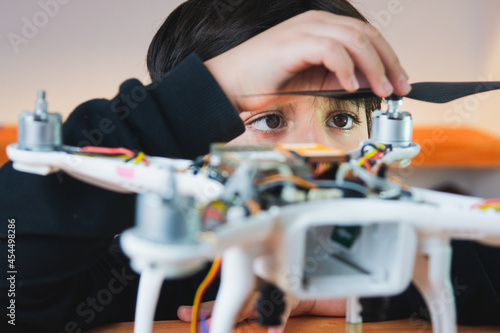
(184,312)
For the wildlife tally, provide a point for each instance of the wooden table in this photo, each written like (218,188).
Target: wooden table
(303,325)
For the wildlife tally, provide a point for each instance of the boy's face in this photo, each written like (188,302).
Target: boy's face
(334,123)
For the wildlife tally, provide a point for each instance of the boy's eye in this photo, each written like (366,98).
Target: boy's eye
(268,123)
(342,121)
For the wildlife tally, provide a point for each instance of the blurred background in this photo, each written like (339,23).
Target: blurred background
(78,50)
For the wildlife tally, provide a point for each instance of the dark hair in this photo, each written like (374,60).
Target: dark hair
(212,27)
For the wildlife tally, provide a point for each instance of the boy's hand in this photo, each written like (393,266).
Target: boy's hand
(312,51)
(331,308)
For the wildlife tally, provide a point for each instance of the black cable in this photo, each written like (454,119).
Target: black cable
(382,150)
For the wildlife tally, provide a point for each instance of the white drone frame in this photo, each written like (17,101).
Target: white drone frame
(272,244)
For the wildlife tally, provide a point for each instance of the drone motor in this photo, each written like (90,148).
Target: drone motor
(39,130)
(392,128)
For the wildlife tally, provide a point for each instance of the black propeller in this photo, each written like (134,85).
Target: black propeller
(433,92)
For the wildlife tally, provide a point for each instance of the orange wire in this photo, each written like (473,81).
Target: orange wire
(201,290)
(377,155)
(110,151)
(367,165)
(113,151)
(253,206)
(285,178)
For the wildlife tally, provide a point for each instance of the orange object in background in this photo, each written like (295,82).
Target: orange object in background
(443,147)
(8,135)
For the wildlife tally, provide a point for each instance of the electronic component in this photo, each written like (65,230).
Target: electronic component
(392,128)
(315,153)
(39,130)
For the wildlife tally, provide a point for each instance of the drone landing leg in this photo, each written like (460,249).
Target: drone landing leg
(237,282)
(432,277)
(353,320)
(150,284)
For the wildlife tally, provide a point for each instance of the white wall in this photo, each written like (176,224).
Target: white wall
(445,40)
(83,51)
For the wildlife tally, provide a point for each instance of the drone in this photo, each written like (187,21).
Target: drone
(301,219)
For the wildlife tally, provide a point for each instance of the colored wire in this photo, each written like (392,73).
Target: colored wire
(204,328)
(214,269)
(123,157)
(141,157)
(367,165)
(380,147)
(376,153)
(253,206)
(321,168)
(285,178)
(342,171)
(370,154)
(122,153)
(488,203)
(494,206)
(107,151)
(367,156)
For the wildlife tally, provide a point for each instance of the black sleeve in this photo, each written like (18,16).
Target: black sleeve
(67,276)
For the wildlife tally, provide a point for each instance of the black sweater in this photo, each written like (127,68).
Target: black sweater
(71,274)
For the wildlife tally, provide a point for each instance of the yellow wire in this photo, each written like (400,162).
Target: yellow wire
(370,154)
(493,205)
(201,289)
(140,157)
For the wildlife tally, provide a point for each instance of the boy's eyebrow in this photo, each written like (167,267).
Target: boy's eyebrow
(253,113)
(245,115)
(272,107)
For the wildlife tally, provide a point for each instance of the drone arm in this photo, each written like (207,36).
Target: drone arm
(108,173)
(439,198)
(454,217)
(117,175)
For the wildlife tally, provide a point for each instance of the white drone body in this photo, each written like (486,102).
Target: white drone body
(298,247)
